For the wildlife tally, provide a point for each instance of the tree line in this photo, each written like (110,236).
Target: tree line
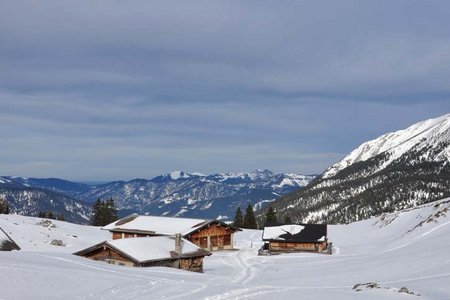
(249,220)
(103,212)
(51,215)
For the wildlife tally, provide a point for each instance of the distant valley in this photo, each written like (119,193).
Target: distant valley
(174,194)
(395,171)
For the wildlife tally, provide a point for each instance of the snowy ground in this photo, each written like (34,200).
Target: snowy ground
(392,251)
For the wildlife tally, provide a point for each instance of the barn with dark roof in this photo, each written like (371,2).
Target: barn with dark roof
(296,238)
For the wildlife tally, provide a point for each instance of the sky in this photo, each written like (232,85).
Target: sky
(109,90)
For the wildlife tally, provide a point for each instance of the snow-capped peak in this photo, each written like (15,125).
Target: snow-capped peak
(175,175)
(429,132)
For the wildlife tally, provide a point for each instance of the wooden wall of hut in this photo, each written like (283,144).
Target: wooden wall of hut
(288,247)
(214,237)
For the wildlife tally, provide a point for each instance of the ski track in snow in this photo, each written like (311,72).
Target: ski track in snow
(244,271)
(418,260)
(171,287)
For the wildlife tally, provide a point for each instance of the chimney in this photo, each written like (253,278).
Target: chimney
(178,244)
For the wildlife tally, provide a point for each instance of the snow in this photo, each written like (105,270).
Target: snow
(175,175)
(292,179)
(198,174)
(36,234)
(403,249)
(151,248)
(274,232)
(429,132)
(162,225)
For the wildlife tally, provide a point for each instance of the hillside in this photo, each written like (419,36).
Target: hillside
(173,194)
(30,201)
(404,249)
(395,171)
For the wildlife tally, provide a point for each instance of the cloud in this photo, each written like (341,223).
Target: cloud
(111,90)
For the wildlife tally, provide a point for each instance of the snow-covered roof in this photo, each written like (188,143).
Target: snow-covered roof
(159,225)
(274,232)
(154,248)
(296,233)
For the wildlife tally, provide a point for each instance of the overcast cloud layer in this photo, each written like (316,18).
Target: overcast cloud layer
(105,90)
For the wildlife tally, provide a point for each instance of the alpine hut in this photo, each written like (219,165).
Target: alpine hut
(207,234)
(160,251)
(296,238)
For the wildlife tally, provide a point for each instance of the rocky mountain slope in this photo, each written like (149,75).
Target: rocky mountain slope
(30,201)
(174,194)
(395,171)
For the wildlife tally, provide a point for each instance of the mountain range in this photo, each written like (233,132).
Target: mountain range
(177,193)
(395,171)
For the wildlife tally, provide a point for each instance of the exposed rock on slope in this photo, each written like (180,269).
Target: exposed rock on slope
(395,171)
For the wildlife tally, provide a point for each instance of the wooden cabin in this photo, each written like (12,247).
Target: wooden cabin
(207,234)
(6,242)
(159,251)
(296,238)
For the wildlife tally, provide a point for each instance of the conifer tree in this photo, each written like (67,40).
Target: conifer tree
(238,219)
(110,211)
(4,207)
(271,217)
(287,220)
(97,213)
(249,219)
(103,212)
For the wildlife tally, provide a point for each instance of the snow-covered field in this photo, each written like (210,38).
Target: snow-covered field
(392,251)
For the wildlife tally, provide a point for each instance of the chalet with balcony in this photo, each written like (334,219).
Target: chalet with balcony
(208,234)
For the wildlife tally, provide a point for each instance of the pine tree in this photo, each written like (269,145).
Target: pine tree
(238,219)
(249,219)
(287,220)
(97,213)
(103,212)
(4,207)
(110,211)
(271,217)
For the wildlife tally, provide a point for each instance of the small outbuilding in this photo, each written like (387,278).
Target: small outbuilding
(207,234)
(6,242)
(160,251)
(296,238)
